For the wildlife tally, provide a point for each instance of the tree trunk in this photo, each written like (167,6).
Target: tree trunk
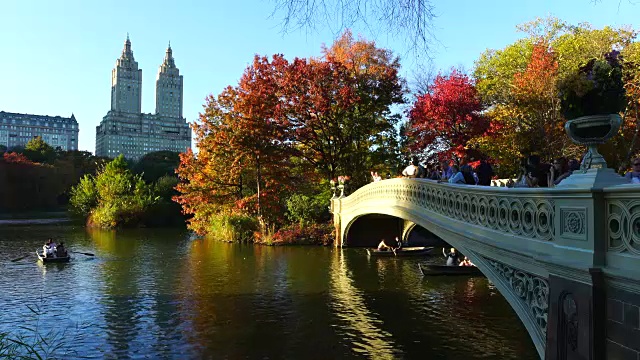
(258,180)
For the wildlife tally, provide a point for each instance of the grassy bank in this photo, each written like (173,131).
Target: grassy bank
(246,229)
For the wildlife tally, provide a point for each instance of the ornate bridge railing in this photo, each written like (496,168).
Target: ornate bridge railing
(521,212)
(621,230)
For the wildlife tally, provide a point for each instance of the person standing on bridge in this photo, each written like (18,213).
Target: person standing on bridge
(413,170)
(633,176)
(447,171)
(485,172)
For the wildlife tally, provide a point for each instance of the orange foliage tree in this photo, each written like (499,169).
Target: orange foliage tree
(370,124)
(243,158)
(530,121)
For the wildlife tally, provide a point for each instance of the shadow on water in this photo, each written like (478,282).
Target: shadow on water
(163,294)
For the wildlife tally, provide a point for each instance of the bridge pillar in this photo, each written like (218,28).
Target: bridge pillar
(622,323)
(576,321)
(595,317)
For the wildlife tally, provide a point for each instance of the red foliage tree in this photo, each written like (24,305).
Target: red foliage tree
(16,158)
(320,96)
(443,121)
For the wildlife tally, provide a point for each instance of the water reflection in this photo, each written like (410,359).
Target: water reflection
(360,326)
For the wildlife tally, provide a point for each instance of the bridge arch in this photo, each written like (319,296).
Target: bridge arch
(526,291)
(368,229)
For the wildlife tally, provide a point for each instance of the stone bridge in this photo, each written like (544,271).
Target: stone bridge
(567,259)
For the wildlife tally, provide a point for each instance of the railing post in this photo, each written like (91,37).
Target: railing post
(577,298)
(336,207)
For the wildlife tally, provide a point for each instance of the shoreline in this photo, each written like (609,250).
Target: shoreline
(34,221)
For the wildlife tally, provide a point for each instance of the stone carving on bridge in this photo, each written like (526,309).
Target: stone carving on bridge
(532,290)
(623,226)
(573,223)
(570,321)
(528,217)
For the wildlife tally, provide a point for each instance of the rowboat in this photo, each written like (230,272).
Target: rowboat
(48,260)
(408,251)
(428,269)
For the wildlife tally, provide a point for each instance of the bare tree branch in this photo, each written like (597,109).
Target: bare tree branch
(422,79)
(410,19)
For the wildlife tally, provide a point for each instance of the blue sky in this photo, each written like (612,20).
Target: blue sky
(57,56)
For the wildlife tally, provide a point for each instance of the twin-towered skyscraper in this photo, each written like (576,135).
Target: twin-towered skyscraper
(125,129)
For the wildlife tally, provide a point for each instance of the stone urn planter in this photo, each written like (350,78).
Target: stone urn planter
(593,97)
(341,187)
(593,130)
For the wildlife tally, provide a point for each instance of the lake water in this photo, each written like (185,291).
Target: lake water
(164,294)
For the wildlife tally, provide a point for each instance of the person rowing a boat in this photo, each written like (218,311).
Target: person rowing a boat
(49,248)
(398,244)
(60,250)
(383,246)
(452,257)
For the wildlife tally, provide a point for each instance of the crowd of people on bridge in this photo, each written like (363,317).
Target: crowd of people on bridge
(533,172)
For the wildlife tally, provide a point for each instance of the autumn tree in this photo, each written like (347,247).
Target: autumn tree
(286,127)
(240,139)
(494,71)
(370,125)
(516,85)
(320,96)
(442,122)
(530,123)
(28,186)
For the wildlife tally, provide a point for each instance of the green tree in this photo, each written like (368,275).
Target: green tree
(37,150)
(114,197)
(305,210)
(519,86)
(157,164)
(84,197)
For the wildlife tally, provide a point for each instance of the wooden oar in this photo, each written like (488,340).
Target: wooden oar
(20,258)
(83,253)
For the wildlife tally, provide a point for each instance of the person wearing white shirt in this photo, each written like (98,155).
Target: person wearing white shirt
(413,170)
(49,248)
